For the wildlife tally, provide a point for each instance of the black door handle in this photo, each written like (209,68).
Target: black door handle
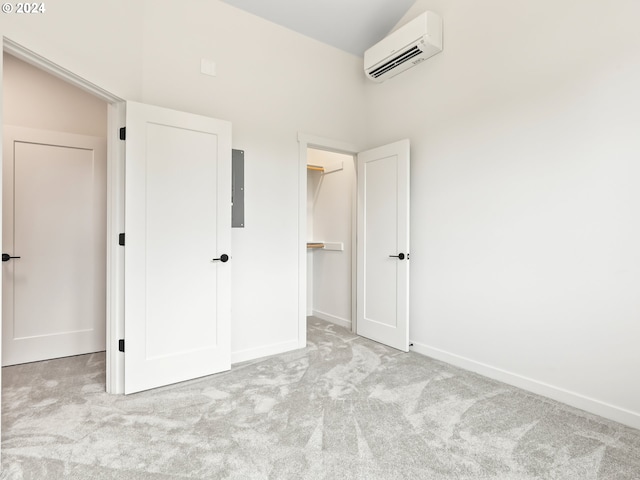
(6,257)
(223,258)
(399,256)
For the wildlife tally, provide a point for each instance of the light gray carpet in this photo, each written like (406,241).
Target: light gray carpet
(343,408)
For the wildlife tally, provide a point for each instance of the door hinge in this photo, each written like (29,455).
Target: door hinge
(121,239)
(123,133)
(121,345)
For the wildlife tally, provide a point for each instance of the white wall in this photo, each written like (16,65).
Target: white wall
(271,84)
(332,197)
(99,41)
(35,99)
(525,199)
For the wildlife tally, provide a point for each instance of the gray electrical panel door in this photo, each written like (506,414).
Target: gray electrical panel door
(237,188)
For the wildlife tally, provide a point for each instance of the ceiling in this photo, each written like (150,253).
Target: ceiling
(350,25)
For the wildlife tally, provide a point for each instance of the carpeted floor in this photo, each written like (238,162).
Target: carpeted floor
(343,408)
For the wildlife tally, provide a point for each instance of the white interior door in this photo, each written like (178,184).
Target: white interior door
(178,220)
(54,222)
(383,245)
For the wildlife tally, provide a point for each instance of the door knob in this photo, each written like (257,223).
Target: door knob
(223,258)
(6,257)
(399,256)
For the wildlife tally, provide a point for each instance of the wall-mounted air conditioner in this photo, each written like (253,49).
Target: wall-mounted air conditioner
(411,44)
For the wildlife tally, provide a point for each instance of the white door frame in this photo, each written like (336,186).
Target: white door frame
(115,204)
(306,141)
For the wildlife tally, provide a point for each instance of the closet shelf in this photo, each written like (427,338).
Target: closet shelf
(337,246)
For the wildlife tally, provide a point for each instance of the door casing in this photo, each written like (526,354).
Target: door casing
(115,204)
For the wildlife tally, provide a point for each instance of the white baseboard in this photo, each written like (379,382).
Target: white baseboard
(254,353)
(573,399)
(343,322)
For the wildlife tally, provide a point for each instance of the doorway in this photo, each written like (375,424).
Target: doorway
(54,217)
(331,188)
(311,143)
(114,206)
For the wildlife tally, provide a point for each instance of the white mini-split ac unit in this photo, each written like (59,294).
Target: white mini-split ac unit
(409,45)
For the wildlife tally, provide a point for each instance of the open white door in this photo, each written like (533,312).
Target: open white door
(178,239)
(383,245)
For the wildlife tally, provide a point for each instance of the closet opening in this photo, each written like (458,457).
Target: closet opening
(330,236)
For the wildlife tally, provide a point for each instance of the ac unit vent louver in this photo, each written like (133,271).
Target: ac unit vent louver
(394,62)
(409,45)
